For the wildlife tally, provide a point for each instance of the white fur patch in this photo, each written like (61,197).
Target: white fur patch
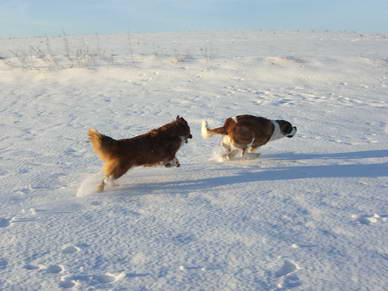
(277,133)
(226,140)
(204,129)
(183,141)
(293,132)
(249,146)
(234,119)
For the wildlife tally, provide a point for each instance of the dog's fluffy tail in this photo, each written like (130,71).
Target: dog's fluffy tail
(206,132)
(103,145)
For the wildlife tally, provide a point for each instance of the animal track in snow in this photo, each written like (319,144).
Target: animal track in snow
(286,277)
(30,267)
(3,264)
(199,268)
(183,239)
(70,249)
(68,283)
(4,222)
(97,281)
(53,269)
(370,219)
(284,102)
(287,268)
(3,172)
(291,281)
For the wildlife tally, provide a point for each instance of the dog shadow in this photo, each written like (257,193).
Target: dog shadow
(331,156)
(244,175)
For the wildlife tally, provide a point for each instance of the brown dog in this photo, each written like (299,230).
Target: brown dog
(246,133)
(156,147)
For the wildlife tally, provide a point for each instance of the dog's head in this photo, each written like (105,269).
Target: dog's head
(183,129)
(286,128)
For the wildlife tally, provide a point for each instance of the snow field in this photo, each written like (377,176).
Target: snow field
(310,214)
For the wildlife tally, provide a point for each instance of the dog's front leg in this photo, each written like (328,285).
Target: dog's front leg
(225,143)
(232,154)
(252,150)
(110,180)
(107,180)
(172,163)
(101,186)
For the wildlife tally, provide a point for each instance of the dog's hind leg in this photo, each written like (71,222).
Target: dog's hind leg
(231,154)
(230,150)
(112,171)
(252,151)
(101,186)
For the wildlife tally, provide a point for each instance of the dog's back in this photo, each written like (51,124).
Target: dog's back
(142,150)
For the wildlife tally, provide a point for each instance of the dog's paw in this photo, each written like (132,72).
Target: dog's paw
(172,163)
(100,188)
(169,165)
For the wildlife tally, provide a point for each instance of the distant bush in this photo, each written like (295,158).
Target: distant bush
(43,57)
(63,52)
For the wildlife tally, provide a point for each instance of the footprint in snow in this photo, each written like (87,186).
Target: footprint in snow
(200,268)
(69,249)
(30,267)
(3,264)
(287,268)
(4,222)
(53,269)
(68,283)
(3,172)
(183,238)
(371,219)
(98,281)
(290,282)
(287,277)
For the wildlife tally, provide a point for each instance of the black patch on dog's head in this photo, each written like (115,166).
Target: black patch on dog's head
(184,128)
(286,128)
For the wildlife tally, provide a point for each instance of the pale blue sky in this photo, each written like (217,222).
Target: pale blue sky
(51,17)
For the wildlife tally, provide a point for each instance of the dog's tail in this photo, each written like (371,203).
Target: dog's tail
(206,132)
(103,145)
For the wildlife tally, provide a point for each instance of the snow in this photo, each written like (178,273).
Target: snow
(311,213)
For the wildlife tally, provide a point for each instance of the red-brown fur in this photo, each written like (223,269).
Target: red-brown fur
(156,147)
(247,129)
(247,132)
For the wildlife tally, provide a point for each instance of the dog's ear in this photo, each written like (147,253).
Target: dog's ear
(177,118)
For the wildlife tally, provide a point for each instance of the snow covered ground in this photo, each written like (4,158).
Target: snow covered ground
(310,214)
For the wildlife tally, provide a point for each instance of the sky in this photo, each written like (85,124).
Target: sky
(53,17)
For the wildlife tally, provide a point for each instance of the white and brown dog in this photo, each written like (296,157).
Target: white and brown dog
(246,133)
(156,147)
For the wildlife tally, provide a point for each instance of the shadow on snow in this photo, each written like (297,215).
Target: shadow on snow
(329,156)
(354,170)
